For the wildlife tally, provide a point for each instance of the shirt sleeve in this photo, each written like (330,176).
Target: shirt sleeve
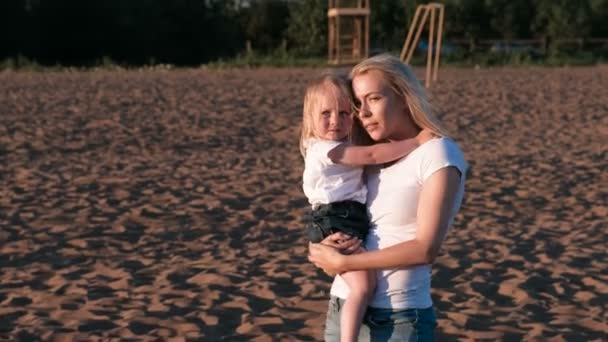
(441,154)
(319,150)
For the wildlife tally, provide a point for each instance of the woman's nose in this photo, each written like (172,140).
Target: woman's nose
(364,111)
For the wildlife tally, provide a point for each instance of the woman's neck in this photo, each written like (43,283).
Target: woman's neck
(406,129)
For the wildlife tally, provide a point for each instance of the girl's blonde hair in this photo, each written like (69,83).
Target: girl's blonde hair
(327,84)
(404,83)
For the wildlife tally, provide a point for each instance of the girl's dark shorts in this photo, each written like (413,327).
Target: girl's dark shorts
(349,217)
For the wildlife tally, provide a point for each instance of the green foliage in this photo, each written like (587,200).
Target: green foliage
(509,19)
(20,63)
(264,23)
(185,32)
(389,23)
(468,19)
(74,32)
(307,29)
(599,18)
(561,19)
(277,58)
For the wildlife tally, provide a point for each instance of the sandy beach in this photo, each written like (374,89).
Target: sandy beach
(167,204)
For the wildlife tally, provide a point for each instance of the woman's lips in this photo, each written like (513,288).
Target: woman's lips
(371,127)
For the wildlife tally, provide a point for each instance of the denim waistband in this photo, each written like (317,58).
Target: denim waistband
(337,303)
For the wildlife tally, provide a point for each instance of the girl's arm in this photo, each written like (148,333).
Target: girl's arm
(437,198)
(378,153)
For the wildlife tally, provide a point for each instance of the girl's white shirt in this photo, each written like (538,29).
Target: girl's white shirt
(325,181)
(392,202)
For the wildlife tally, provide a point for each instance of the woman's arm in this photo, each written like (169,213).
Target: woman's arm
(437,199)
(378,153)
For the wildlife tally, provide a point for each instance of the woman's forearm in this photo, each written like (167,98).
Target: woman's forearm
(437,199)
(404,254)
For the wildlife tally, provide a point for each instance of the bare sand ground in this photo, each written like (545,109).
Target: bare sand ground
(167,204)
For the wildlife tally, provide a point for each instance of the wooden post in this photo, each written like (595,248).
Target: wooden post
(338,47)
(356,39)
(248,47)
(330,39)
(417,37)
(438,49)
(432,65)
(366,53)
(410,32)
(429,49)
(348,32)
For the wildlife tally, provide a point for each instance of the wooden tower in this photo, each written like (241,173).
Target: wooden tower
(348,31)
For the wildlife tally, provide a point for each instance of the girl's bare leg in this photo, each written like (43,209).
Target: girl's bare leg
(361,285)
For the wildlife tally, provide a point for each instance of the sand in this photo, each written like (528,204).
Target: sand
(168,204)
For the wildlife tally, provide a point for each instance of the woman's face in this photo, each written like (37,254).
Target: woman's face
(381,111)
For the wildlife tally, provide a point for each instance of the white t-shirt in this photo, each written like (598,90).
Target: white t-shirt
(392,203)
(325,181)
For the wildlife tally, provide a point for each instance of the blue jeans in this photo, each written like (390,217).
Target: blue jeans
(384,325)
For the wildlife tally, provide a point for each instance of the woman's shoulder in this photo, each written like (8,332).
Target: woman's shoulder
(440,146)
(441,152)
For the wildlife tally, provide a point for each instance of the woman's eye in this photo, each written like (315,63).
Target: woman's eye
(374,99)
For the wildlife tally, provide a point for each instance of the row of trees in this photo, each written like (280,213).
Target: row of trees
(191,32)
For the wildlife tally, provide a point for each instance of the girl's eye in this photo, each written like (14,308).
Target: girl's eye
(325,113)
(344,113)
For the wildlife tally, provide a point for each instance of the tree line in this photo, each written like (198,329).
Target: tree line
(192,32)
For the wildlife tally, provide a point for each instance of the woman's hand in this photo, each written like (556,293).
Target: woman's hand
(326,258)
(328,255)
(344,243)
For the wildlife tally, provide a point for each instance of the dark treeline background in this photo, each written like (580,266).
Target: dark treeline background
(192,32)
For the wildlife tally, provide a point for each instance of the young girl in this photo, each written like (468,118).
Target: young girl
(333,180)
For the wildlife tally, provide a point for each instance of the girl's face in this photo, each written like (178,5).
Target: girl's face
(381,111)
(332,118)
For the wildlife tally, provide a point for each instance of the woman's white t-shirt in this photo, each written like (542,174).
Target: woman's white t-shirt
(392,202)
(325,181)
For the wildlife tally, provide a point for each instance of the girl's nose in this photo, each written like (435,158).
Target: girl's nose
(333,119)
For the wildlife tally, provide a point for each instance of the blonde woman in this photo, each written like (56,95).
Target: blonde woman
(411,204)
(333,181)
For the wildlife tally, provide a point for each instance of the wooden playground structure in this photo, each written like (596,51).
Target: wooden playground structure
(437,16)
(348,31)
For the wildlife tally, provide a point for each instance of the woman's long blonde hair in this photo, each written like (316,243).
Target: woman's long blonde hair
(327,84)
(404,83)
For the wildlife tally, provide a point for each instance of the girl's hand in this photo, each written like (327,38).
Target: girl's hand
(424,136)
(344,243)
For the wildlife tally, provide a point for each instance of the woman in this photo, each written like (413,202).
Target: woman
(411,202)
